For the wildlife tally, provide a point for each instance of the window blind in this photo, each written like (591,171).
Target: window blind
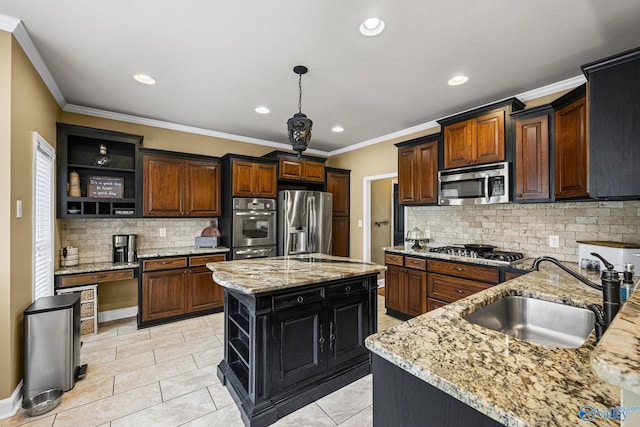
(43,217)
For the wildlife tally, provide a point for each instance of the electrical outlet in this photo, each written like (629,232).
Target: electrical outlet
(163,232)
(554,241)
(427,234)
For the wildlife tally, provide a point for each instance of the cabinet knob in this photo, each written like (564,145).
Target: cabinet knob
(460,291)
(347,288)
(519,195)
(459,269)
(300,300)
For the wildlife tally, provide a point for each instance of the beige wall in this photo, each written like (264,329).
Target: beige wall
(32,109)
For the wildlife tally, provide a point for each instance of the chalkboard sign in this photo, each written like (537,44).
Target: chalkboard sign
(106,187)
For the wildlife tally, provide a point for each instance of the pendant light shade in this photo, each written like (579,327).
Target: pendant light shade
(299,126)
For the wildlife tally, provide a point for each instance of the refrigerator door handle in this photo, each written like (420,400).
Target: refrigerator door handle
(311,224)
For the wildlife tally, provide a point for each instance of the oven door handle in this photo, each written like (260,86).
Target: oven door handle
(253,213)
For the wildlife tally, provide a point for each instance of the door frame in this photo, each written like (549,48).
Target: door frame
(366,212)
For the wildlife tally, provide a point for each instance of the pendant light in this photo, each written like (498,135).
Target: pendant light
(299,126)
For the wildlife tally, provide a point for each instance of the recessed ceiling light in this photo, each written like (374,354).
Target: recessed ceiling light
(337,129)
(144,79)
(458,80)
(372,27)
(262,110)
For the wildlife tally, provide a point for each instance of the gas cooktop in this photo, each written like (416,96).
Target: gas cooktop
(501,257)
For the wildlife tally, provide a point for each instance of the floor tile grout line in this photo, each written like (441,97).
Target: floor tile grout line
(326,413)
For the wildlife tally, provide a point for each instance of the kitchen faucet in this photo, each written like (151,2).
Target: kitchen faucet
(610,291)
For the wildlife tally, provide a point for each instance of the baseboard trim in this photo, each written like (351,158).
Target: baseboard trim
(11,405)
(119,313)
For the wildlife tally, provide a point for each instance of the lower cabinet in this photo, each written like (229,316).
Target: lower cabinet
(289,348)
(177,286)
(451,281)
(406,284)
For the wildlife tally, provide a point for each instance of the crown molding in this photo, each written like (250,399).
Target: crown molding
(95,112)
(19,31)
(569,83)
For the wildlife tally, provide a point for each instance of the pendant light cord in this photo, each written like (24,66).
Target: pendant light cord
(300,93)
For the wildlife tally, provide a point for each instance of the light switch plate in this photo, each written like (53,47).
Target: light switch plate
(554,241)
(18,208)
(163,232)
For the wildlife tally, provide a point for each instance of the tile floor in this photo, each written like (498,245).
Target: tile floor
(166,376)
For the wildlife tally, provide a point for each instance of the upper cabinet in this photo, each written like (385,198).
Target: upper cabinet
(95,185)
(477,136)
(253,179)
(614,126)
(531,154)
(418,171)
(571,145)
(300,170)
(174,186)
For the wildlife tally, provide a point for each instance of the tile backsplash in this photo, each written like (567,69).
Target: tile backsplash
(93,238)
(526,227)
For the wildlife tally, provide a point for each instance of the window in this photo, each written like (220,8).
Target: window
(43,218)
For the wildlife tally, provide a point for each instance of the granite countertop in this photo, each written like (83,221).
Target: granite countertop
(512,381)
(617,358)
(253,276)
(142,254)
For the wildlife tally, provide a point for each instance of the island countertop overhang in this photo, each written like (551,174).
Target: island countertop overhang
(254,276)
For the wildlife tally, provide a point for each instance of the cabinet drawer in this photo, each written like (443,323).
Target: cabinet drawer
(164,264)
(417,263)
(95,277)
(394,259)
(474,272)
(432,304)
(298,298)
(346,288)
(451,289)
(205,259)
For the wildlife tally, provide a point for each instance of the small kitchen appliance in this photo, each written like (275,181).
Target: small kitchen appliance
(124,247)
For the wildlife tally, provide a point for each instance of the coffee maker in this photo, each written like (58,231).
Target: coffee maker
(124,247)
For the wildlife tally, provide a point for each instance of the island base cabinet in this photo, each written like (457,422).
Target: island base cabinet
(401,399)
(286,349)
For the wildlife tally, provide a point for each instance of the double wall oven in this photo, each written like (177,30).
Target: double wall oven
(253,228)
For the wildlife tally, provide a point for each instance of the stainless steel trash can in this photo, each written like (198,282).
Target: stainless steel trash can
(52,344)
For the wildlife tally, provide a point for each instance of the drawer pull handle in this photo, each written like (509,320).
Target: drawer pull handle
(459,269)
(300,300)
(98,276)
(164,262)
(347,288)
(460,291)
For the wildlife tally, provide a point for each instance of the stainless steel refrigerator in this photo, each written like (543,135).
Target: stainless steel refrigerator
(304,222)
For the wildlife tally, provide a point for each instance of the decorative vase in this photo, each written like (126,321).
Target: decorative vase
(74,184)
(102,159)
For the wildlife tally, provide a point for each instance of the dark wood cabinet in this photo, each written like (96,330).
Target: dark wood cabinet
(300,170)
(418,171)
(478,136)
(287,348)
(175,187)
(338,184)
(250,179)
(475,141)
(532,160)
(614,128)
(175,287)
(405,284)
(451,281)
(76,149)
(571,146)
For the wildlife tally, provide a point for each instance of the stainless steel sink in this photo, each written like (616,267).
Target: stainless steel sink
(534,320)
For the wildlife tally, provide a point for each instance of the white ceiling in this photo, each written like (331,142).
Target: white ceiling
(215,61)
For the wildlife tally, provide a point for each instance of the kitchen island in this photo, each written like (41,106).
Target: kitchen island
(295,328)
(439,368)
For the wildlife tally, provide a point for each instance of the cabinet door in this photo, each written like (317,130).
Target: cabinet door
(427,156)
(290,169)
(242,179)
(348,328)
(457,144)
(416,292)
(340,236)
(451,289)
(299,345)
(338,185)
(407,175)
(202,189)
(532,158)
(571,150)
(204,292)
(394,292)
(488,138)
(313,171)
(164,294)
(265,181)
(163,186)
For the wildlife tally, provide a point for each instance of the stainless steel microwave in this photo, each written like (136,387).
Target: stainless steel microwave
(474,185)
